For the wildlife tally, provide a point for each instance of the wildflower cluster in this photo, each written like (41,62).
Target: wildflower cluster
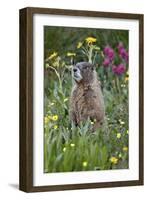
(49,118)
(90,40)
(109,58)
(89,48)
(114,160)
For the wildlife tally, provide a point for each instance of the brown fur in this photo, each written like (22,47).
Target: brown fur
(86,98)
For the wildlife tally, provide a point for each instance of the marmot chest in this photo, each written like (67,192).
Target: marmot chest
(86,98)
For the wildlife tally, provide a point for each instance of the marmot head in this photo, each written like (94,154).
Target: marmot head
(83,72)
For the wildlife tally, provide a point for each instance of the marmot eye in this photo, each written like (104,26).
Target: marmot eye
(85,67)
(74,70)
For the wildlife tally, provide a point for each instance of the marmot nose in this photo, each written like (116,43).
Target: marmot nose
(74,70)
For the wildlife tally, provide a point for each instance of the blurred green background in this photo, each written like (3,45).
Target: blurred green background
(65,39)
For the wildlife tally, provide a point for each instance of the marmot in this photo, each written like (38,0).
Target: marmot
(86,101)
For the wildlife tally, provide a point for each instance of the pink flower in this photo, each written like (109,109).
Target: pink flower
(120,46)
(124,54)
(114,69)
(106,62)
(106,50)
(109,52)
(119,70)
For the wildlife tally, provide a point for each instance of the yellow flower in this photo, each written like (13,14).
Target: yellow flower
(118,135)
(125,149)
(72,145)
(55,127)
(66,99)
(126,79)
(49,117)
(92,123)
(127,132)
(64,149)
(90,40)
(114,160)
(84,164)
(79,45)
(69,54)
(55,118)
(46,120)
(53,55)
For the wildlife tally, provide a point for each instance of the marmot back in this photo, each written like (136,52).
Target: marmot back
(86,98)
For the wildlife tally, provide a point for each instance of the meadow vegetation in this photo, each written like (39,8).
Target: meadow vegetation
(68,148)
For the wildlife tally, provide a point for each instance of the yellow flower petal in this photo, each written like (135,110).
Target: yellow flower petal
(125,149)
(55,118)
(69,54)
(126,79)
(114,160)
(84,164)
(55,127)
(90,40)
(118,135)
(79,45)
(53,55)
(46,120)
(72,145)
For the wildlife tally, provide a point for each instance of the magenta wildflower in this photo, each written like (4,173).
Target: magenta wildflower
(122,52)
(119,70)
(109,52)
(114,69)
(106,62)
(106,50)
(120,46)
